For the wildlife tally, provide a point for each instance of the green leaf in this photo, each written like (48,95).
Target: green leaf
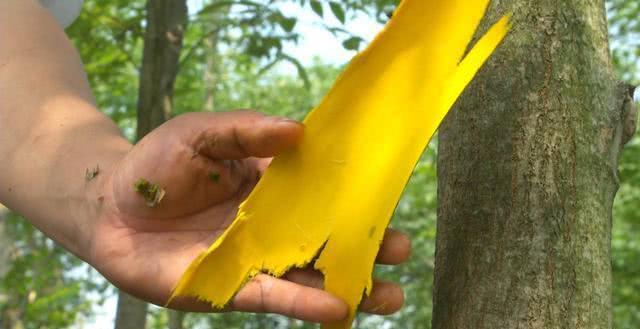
(288,23)
(352,43)
(337,10)
(317,7)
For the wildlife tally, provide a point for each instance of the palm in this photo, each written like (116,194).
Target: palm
(206,166)
(149,253)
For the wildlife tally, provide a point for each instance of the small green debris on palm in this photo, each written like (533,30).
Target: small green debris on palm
(214,176)
(91,173)
(152,193)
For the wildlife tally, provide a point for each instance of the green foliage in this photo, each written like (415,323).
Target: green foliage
(338,11)
(624,21)
(45,286)
(624,33)
(241,85)
(109,36)
(625,39)
(352,43)
(316,6)
(625,249)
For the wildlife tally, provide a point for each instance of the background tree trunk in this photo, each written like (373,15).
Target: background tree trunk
(214,58)
(527,176)
(176,319)
(213,62)
(131,313)
(166,24)
(166,21)
(5,244)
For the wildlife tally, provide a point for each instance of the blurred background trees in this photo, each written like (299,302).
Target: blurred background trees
(624,31)
(237,54)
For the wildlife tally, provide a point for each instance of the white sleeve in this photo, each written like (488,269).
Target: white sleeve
(65,11)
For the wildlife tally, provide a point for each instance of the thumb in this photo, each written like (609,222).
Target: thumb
(197,160)
(241,134)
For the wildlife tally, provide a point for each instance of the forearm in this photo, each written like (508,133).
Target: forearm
(50,129)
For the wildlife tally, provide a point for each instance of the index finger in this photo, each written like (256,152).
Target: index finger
(266,294)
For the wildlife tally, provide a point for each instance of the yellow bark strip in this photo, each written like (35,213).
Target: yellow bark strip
(348,250)
(339,187)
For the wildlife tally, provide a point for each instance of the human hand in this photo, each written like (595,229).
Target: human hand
(207,164)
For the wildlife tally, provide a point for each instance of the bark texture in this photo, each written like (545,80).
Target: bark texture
(527,176)
(166,24)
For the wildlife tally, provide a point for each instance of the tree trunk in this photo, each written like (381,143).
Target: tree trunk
(211,71)
(131,313)
(527,174)
(6,244)
(214,60)
(166,23)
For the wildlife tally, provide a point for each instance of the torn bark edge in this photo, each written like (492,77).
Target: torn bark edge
(629,113)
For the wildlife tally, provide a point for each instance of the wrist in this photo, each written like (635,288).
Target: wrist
(97,194)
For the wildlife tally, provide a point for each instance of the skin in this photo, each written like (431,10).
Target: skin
(51,132)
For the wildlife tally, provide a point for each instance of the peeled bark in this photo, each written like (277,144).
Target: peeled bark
(166,23)
(527,174)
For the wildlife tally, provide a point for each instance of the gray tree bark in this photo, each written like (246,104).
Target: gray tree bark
(212,68)
(527,174)
(176,319)
(166,24)
(131,313)
(5,244)
(210,75)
